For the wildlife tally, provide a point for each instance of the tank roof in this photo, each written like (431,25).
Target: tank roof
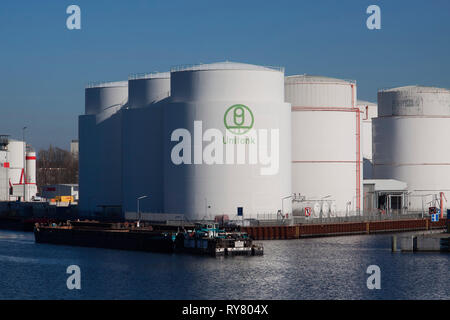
(415,88)
(308,77)
(107,84)
(150,75)
(225,65)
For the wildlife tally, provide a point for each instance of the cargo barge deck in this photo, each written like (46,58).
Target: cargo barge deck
(203,240)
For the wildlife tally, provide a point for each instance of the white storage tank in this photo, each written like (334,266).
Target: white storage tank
(147,89)
(100,144)
(410,142)
(4,169)
(238,110)
(326,142)
(142,144)
(16,161)
(105,96)
(31,189)
(369,111)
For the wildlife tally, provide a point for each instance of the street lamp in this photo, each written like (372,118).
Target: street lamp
(206,208)
(282,206)
(139,211)
(24,163)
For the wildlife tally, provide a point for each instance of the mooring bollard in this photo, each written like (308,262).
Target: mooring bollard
(394,243)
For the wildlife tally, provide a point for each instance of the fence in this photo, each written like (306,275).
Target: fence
(367,216)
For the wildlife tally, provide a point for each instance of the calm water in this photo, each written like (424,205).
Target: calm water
(327,268)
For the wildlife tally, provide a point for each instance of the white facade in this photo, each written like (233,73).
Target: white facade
(410,142)
(327,170)
(369,111)
(142,144)
(206,93)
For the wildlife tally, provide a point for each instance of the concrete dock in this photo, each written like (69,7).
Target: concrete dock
(433,242)
(341,229)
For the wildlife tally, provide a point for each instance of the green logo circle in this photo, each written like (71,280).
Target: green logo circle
(238,119)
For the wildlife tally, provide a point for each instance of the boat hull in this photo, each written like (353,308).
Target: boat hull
(110,239)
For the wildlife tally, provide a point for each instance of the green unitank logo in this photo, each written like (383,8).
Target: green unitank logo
(238,119)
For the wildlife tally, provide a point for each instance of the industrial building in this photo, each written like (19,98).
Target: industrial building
(60,190)
(17,170)
(385,196)
(199,142)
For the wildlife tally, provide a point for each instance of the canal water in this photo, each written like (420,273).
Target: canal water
(320,268)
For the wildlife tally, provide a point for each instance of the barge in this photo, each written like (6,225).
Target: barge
(104,235)
(197,239)
(211,240)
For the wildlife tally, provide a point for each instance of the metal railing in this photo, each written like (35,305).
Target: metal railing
(106,84)
(274,219)
(227,65)
(149,75)
(310,79)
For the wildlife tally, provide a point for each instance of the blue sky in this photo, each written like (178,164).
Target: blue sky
(44,66)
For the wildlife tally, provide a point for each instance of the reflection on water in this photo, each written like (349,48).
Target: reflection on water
(323,268)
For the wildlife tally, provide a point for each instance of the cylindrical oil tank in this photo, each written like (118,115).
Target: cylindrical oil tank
(31,189)
(410,142)
(31,167)
(105,99)
(326,141)
(231,123)
(369,111)
(142,144)
(16,161)
(100,140)
(146,89)
(4,172)
(88,164)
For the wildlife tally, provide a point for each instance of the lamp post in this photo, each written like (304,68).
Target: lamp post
(138,210)
(321,203)
(282,206)
(206,208)
(24,163)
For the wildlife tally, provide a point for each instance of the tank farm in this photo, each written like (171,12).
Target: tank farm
(229,144)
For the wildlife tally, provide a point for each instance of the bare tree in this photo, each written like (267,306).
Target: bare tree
(56,166)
